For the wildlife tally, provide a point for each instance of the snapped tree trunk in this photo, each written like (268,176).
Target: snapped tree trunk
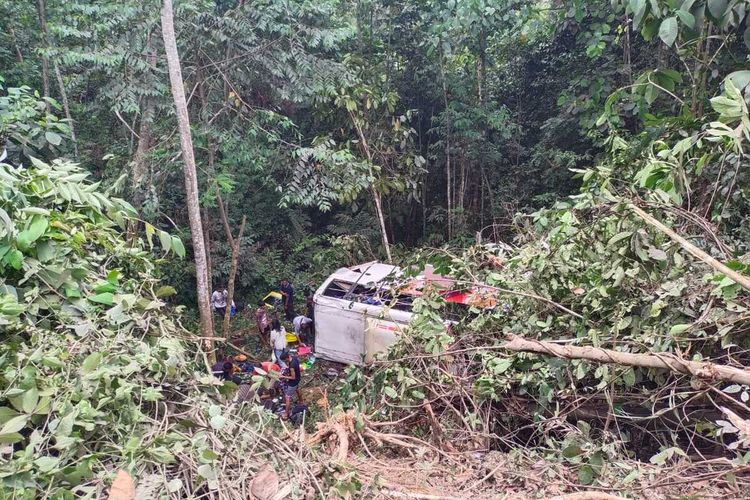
(191,178)
(235,245)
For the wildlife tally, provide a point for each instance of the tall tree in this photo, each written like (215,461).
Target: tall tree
(191,178)
(40,9)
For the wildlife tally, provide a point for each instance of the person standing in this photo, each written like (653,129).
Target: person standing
(278,341)
(263,323)
(219,301)
(287,291)
(292,376)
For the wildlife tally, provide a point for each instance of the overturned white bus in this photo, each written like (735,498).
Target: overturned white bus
(352,323)
(361,310)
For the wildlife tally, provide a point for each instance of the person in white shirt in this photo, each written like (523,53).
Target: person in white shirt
(302,325)
(278,341)
(219,301)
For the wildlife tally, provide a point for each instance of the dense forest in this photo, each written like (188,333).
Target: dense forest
(582,162)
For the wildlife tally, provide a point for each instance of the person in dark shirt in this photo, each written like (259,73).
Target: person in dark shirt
(218,367)
(227,373)
(292,377)
(287,291)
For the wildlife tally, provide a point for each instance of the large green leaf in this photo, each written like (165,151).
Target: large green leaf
(687,18)
(166,240)
(586,474)
(165,291)
(717,8)
(27,401)
(740,79)
(53,138)
(106,298)
(668,30)
(91,362)
(638,7)
(36,229)
(14,425)
(178,247)
(14,258)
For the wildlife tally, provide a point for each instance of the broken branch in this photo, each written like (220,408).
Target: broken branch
(696,252)
(661,360)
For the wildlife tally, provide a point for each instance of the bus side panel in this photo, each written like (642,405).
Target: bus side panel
(339,334)
(379,336)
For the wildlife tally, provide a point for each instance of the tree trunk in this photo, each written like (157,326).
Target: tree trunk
(141,153)
(15,44)
(207,242)
(448,193)
(41,12)
(381,220)
(191,178)
(657,360)
(144,137)
(211,158)
(235,245)
(140,163)
(375,194)
(66,107)
(232,276)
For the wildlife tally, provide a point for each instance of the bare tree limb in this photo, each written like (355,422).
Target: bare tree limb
(696,252)
(663,360)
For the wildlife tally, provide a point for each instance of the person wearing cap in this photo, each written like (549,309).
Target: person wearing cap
(292,377)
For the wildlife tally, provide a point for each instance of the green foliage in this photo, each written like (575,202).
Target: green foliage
(589,272)
(92,360)
(26,125)
(89,348)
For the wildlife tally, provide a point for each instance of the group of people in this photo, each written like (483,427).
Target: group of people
(273,334)
(232,368)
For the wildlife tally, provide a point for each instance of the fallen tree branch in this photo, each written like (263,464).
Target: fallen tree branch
(662,360)
(587,495)
(696,252)
(419,496)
